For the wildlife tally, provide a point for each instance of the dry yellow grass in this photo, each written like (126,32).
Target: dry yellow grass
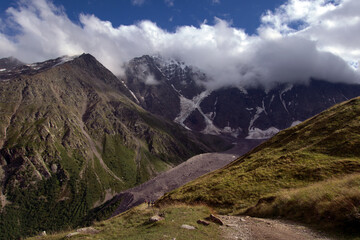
(330,204)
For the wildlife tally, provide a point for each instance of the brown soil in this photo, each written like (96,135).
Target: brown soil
(249,228)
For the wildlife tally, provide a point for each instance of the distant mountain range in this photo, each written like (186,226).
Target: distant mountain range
(172,89)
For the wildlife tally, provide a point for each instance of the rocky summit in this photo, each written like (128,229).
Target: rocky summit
(9,63)
(71,136)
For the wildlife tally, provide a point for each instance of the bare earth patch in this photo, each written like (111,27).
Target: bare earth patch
(249,228)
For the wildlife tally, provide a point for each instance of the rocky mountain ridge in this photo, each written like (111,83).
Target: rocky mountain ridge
(176,91)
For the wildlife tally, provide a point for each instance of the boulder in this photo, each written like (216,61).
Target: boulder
(214,219)
(203,222)
(232,225)
(156,218)
(189,227)
(87,230)
(72,234)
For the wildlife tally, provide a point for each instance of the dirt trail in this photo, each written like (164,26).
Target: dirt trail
(180,175)
(249,228)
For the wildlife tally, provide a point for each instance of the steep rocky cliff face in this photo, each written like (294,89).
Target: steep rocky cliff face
(158,84)
(173,90)
(71,136)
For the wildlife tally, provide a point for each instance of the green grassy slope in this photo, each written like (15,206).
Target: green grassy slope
(323,147)
(134,224)
(331,204)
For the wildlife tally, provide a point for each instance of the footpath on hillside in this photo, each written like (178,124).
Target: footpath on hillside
(249,228)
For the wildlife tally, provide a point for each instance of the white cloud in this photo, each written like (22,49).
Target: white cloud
(169,3)
(143,74)
(333,24)
(299,40)
(150,80)
(137,2)
(7,47)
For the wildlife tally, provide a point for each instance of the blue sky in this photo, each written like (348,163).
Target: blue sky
(236,43)
(168,14)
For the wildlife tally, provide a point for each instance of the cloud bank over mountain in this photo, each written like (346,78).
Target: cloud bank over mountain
(299,40)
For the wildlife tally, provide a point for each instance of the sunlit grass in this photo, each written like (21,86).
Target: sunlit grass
(134,224)
(333,203)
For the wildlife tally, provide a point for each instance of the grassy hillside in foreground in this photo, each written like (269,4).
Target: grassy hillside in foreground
(323,147)
(333,203)
(134,224)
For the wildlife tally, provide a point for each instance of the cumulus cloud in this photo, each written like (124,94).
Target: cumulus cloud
(299,40)
(332,24)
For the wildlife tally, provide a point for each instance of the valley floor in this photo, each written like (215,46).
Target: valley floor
(182,174)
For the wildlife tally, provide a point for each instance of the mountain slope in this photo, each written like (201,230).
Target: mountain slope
(155,84)
(323,147)
(171,89)
(70,138)
(9,63)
